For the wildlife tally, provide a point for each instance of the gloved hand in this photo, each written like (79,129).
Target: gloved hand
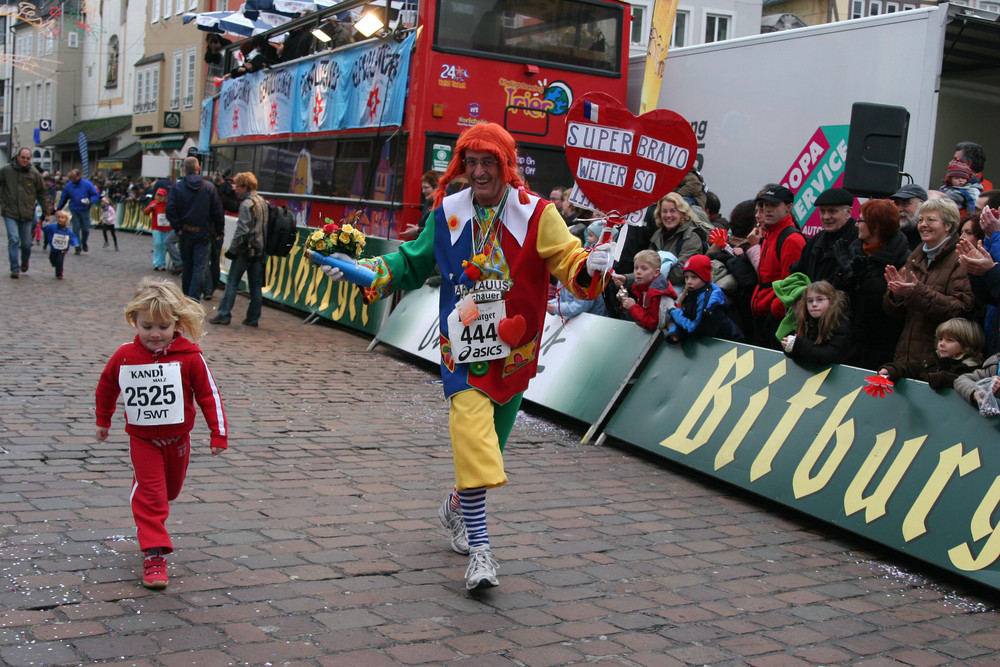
(842,253)
(334,272)
(788,343)
(601,258)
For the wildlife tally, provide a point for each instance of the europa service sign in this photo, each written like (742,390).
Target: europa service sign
(622,162)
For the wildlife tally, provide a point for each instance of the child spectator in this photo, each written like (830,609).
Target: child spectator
(702,309)
(824,332)
(959,349)
(568,306)
(642,300)
(59,238)
(961,185)
(108,221)
(163,368)
(161,228)
(965,385)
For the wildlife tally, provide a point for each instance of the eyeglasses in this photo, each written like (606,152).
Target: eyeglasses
(816,299)
(486,162)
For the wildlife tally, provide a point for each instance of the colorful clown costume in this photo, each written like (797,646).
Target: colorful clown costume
(495,264)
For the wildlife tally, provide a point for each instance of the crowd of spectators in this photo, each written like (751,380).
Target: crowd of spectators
(906,286)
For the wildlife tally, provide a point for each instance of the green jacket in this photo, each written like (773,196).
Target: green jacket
(19,190)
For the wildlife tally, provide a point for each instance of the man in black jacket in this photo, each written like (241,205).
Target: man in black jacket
(195,214)
(818,259)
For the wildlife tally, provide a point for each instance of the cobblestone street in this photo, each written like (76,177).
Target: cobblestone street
(314,540)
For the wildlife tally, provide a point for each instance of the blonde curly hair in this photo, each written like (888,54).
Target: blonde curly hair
(165,302)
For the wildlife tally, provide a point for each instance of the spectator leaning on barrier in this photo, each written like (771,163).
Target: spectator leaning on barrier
(932,286)
(21,185)
(862,274)
(81,194)
(781,246)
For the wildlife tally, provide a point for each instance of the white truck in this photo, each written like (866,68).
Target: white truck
(777,107)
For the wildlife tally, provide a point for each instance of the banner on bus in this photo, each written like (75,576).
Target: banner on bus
(349,89)
(917,470)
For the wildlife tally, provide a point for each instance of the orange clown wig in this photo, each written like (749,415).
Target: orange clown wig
(487,137)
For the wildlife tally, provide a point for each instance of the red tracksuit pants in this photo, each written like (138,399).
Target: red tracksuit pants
(159,467)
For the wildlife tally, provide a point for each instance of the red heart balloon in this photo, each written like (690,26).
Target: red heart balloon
(511,329)
(622,162)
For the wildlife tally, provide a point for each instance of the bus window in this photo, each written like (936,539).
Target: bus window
(222,160)
(569,33)
(324,153)
(351,170)
(244,159)
(266,169)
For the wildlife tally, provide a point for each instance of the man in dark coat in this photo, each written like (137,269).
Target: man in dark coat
(195,214)
(817,260)
(21,186)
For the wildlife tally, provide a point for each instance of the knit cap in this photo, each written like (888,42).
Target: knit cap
(958,168)
(701,266)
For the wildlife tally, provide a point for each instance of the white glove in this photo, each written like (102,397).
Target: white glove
(333,272)
(601,258)
(789,343)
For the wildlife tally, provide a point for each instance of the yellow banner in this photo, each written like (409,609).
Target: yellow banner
(660,31)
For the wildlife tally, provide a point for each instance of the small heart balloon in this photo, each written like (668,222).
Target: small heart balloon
(622,162)
(511,329)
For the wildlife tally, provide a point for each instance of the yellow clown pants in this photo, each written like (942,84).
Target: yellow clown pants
(479,429)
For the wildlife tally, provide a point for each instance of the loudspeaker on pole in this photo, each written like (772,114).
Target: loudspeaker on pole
(876,147)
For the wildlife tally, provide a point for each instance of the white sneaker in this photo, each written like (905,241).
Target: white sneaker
(482,572)
(455,525)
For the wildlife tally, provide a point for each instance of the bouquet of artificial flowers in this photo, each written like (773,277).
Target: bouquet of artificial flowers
(342,239)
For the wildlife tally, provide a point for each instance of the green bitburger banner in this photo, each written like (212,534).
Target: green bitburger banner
(582,362)
(131,218)
(917,470)
(297,282)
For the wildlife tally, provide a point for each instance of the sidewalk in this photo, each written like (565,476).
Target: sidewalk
(314,540)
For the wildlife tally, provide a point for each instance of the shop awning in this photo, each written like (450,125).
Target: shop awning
(97,131)
(118,159)
(162,142)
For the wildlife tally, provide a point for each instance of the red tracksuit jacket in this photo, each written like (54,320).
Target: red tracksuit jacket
(197,381)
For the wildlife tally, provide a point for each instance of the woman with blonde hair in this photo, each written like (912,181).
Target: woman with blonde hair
(677,233)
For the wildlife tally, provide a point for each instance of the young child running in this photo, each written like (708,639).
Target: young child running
(108,221)
(161,374)
(959,351)
(824,329)
(59,238)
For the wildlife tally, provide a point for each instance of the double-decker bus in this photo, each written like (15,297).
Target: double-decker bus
(352,130)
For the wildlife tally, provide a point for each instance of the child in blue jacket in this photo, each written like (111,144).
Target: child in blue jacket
(59,238)
(702,309)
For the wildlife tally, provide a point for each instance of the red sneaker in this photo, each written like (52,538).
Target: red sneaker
(154,572)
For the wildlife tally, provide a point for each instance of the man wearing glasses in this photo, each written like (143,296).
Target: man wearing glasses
(496,245)
(21,186)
